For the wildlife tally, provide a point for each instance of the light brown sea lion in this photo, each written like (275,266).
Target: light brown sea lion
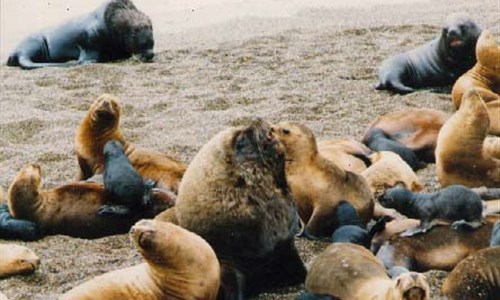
(235,195)
(484,77)
(17,260)
(415,128)
(69,209)
(350,272)
(178,265)
(441,248)
(317,184)
(348,154)
(460,154)
(101,124)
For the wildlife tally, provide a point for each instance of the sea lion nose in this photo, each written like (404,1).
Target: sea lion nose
(453,32)
(147,56)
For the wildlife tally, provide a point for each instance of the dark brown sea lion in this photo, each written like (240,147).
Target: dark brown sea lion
(115,30)
(101,124)
(178,265)
(437,63)
(484,77)
(17,260)
(70,209)
(235,195)
(415,128)
(317,184)
(461,156)
(350,272)
(348,154)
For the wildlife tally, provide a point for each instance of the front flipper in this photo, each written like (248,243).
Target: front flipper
(111,210)
(422,228)
(463,225)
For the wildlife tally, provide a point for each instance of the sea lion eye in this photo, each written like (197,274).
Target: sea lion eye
(285,131)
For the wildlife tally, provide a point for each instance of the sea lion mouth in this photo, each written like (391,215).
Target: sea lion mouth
(455,43)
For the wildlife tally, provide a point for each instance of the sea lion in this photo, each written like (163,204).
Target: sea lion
(350,272)
(17,260)
(115,30)
(101,124)
(441,248)
(235,195)
(377,140)
(70,209)
(415,128)
(178,265)
(455,203)
(437,63)
(348,154)
(460,154)
(484,77)
(317,184)
(478,275)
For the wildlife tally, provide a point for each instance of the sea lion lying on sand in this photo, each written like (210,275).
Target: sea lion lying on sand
(17,260)
(317,184)
(115,30)
(437,63)
(235,195)
(461,156)
(178,265)
(348,154)
(101,124)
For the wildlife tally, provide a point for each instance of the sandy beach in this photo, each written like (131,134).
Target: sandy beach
(217,64)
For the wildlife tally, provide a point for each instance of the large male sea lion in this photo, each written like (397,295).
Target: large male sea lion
(235,195)
(101,124)
(178,265)
(437,63)
(17,260)
(461,156)
(350,272)
(115,30)
(484,77)
(317,184)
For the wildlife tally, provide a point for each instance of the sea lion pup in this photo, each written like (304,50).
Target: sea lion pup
(17,260)
(454,203)
(115,30)
(348,154)
(101,124)
(484,77)
(437,63)
(70,209)
(460,154)
(377,140)
(415,128)
(317,184)
(235,195)
(12,228)
(441,248)
(350,272)
(178,265)
(478,275)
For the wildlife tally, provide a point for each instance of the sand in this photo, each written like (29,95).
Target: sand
(314,64)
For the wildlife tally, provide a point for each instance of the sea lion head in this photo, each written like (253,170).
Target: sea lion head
(474,112)
(460,34)
(16,259)
(298,140)
(113,148)
(488,52)
(28,178)
(131,28)
(105,112)
(413,286)
(396,197)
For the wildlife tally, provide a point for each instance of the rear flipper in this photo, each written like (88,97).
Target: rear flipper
(463,225)
(393,84)
(422,228)
(314,296)
(115,210)
(27,64)
(12,228)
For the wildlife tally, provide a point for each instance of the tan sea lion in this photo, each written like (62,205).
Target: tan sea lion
(235,195)
(460,154)
(415,128)
(348,154)
(71,208)
(101,124)
(484,77)
(317,184)
(17,260)
(350,272)
(178,265)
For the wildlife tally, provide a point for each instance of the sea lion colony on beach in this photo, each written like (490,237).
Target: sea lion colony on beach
(237,207)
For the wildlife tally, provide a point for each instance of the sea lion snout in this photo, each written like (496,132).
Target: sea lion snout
(142,233)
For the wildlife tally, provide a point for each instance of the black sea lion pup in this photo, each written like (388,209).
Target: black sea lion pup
(115,30)
(437,63)
(454,203)
(12,228)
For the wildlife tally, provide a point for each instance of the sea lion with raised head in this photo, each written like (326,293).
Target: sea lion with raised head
(317,184)
(115,30)
(178,264)
(17,260)
(235,195)
(437,63)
